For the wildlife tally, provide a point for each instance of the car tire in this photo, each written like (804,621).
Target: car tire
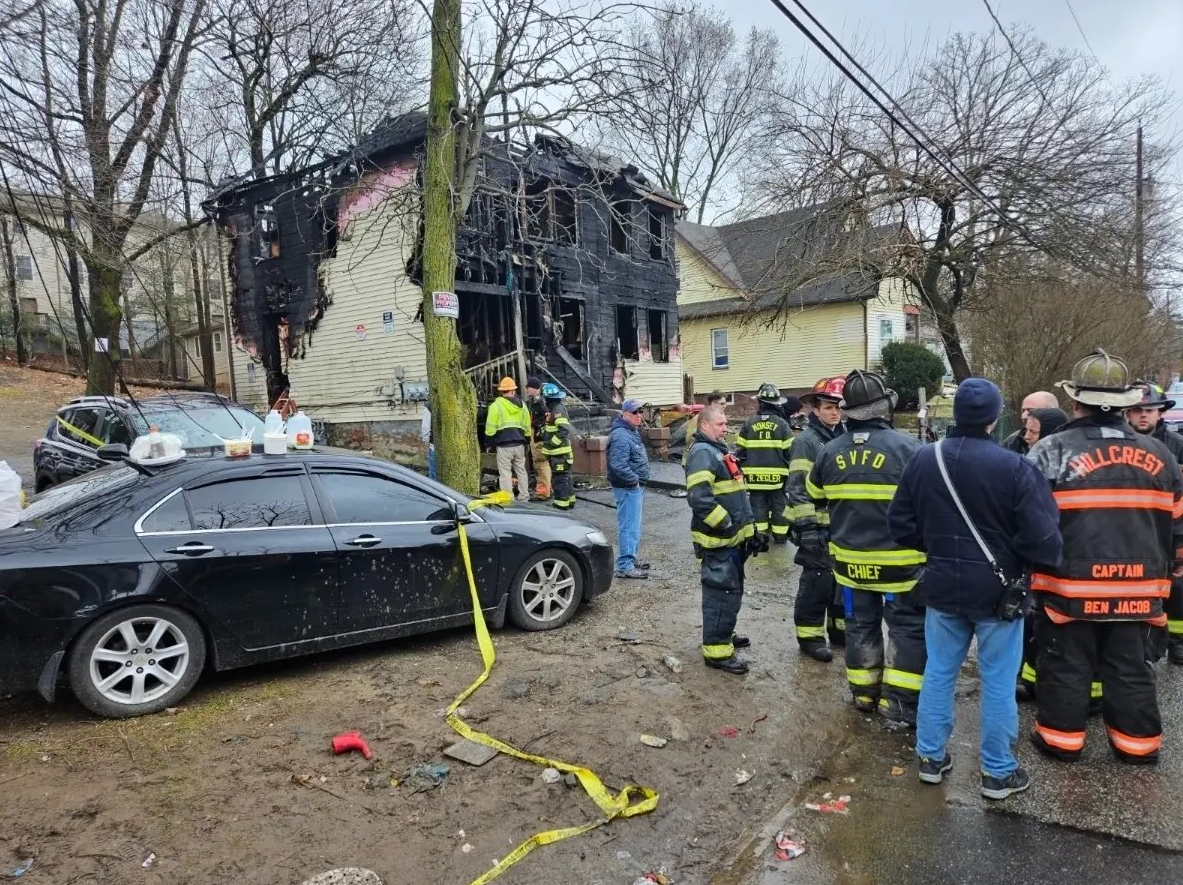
(155,676)
(546,591)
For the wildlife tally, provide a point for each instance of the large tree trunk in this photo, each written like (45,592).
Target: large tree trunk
(205,338)
(104,277)
(951,337)
(453,398)
(76,303)
(6,235)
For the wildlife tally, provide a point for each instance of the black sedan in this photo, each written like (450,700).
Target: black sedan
(128,581)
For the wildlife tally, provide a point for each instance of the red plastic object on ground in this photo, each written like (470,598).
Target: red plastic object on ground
(351,740)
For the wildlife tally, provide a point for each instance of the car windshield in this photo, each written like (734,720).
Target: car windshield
(201,424)
(70,495)
(1176,389)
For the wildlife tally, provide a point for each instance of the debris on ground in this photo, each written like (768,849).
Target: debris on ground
(757,721)
(678,729)
(651,740)
(742,777)
(24,867)
(627,636)
(831,806)
(654,877)
(382,780)
(443,711)
(423,776)
(898,771)
(570,780)
(345,876)
(787,848)
(149,860)
(678,493)
(471,752)
(728,731)
(348,741)
(551,775)
(673,663)
(466,848)
(623,855)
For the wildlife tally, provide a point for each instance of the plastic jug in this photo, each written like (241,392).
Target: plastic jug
(11,499)
(300,430)
(273,424)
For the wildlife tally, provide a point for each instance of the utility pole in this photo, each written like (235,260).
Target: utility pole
(1139,230)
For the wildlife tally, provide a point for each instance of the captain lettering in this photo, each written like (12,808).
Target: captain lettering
(857,458)
(863,572)
(1119,570)
(1110,456)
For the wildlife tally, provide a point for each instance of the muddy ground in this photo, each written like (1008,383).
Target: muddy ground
(239,784)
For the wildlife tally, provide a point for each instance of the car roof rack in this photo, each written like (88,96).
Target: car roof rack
(99,400)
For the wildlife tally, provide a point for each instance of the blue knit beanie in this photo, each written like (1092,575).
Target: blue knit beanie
(977,403)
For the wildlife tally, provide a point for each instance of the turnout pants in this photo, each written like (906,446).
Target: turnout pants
(817,597)
(562,485)
(1028,672)
(542,467)
(891,680)
(768,506)
(1069,655)
(1175,614)
(722,597)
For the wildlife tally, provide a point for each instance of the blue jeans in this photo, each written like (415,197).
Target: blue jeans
(1000,653)
(431,462)
(628,526)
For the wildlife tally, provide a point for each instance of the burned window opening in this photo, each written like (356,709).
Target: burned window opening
(570,334)
(659,340)
(565,212)
(266,232)
(627,340)
(622,226)
(656,233)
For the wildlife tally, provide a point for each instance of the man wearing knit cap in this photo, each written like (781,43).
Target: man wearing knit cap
(1012,509)
(537,404)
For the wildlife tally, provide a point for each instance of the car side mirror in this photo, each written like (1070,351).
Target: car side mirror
(462,513)
(112,452)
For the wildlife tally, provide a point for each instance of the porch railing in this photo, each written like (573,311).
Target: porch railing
(485,376)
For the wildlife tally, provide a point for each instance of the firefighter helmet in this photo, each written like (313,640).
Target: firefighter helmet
(770,394)
(865,395)
(553,391)
(1152,396)
(1102,380)
(507,385)
(826,388)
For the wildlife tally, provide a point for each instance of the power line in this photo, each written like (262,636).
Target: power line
(1083,35)
(1015,51)
(923,143)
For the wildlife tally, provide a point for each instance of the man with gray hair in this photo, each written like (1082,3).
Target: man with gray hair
(1041,399)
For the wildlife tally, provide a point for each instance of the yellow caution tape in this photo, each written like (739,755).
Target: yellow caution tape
(612,805)
(80,433)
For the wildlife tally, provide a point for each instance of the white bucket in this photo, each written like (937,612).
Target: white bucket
(275,443)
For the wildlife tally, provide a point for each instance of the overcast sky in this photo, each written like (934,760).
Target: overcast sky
(1130,38)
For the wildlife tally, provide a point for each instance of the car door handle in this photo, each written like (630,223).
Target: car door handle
(193,548)
(364,541)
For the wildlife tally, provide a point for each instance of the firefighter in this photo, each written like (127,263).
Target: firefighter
(556,446)
(817,593)
(1146,417)
(724,534)
(537,404)
(856,475)
(763,447)
(1120,495)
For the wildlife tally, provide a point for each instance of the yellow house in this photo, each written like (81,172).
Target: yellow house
(745,321)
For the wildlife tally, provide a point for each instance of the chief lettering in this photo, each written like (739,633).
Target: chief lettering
(863,572)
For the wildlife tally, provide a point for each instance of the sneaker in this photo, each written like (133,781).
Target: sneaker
(643,566)
(933,771)
(634,573)
(1002,787)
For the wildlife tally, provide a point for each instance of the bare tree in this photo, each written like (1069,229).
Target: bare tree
(1041,135)
(522,67)
(88,95)
(303,78)
(691,99)
(8,258)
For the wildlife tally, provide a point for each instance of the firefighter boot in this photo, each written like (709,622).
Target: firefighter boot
(818,651)
(1175,649)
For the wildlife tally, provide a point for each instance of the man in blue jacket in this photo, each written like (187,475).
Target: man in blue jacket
(628,471)
(1011,505)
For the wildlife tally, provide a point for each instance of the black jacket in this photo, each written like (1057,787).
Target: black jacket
(1169,438)
(721,515)
(1120,495)
(1010,504)
(763,447)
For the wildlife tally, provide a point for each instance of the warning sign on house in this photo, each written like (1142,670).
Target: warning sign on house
(445,304)
(360,331)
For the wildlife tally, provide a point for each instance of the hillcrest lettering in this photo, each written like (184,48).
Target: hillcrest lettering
(1113,456)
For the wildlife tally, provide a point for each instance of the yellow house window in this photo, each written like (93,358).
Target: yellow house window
(719,353)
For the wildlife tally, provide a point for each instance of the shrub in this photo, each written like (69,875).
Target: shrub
(907,367)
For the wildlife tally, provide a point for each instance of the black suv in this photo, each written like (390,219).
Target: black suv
(201,420)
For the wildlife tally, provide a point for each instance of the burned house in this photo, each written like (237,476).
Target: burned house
(565,266)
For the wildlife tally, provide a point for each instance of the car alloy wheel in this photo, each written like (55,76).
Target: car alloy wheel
(139,660)
(136,660)
(547,591)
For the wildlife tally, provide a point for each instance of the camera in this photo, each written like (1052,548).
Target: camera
(1013,606)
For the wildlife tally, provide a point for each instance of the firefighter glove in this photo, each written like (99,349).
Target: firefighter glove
(810,540)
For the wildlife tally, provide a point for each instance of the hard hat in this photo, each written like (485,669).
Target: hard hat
(553,391)
(826,388)
(1102,380)
(769,393)
(865,395)
(506,385)
(1152,396)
